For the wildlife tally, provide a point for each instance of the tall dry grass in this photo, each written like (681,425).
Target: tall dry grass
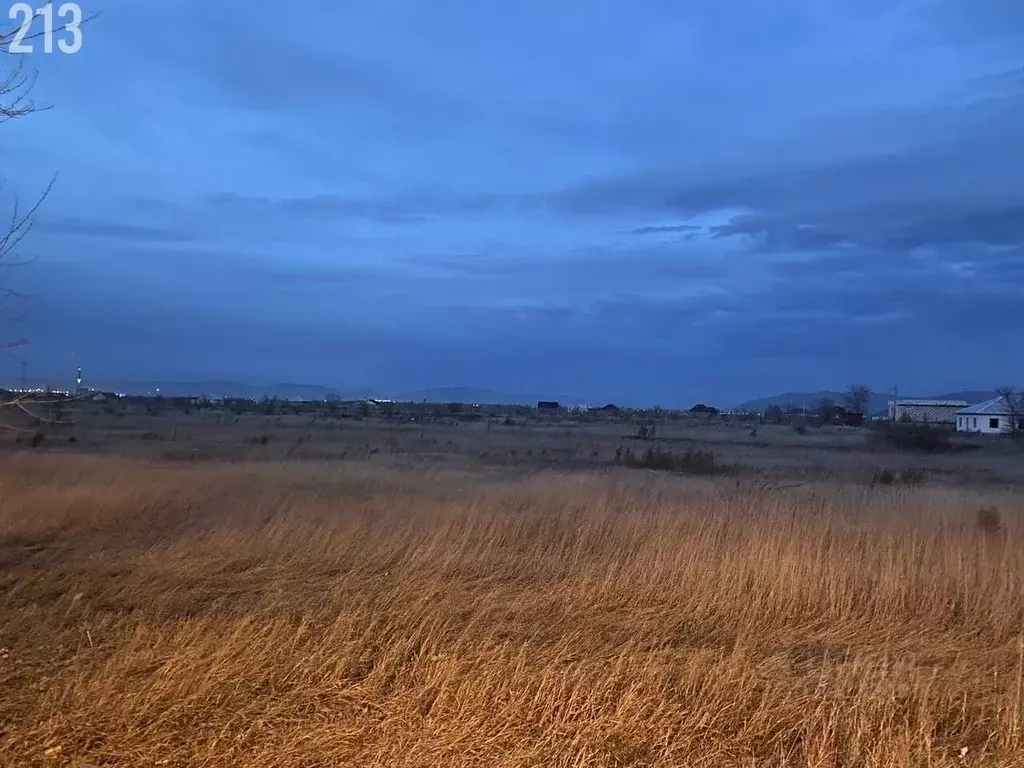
(308,615)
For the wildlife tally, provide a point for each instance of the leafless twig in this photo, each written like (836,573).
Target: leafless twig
(21,402)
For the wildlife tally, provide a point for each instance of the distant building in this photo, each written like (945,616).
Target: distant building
(993,417)
(609,408)
(548,405)
(841,417)
(925,411)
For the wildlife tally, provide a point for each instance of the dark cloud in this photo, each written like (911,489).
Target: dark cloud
(665,228)
(396,211)
(986,168)
(777,233)
(475,265)
(945,225)
(896,229)
(583,272)
(406,208)
(112,230)
(323,276)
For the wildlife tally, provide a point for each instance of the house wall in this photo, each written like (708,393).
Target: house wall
(924,414)
(980,424)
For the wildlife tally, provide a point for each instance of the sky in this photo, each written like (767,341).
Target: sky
(645,201)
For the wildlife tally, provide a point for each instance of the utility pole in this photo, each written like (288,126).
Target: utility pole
(23,386)
(895,404)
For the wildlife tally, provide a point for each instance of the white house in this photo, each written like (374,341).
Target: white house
(993,417)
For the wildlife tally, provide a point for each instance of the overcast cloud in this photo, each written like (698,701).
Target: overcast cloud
(644,201)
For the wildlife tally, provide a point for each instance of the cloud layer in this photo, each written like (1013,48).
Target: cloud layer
(644,201)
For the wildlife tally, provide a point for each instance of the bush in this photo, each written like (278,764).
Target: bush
(37,439)
(800,429)
(694,461)
(646,431)
(913,476)
(919,438)
(884,477)
(988,520)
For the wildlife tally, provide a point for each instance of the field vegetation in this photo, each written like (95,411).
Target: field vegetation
(378,612)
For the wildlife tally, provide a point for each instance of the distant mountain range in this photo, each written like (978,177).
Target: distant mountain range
(879,400)
(486,397)
(225,388)
(289,391)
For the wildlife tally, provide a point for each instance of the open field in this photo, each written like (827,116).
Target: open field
(510,440)
(205,598)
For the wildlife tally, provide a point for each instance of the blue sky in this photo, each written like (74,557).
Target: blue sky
(647,201)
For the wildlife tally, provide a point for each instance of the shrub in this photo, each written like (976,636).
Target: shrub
(37,439)
(919,438)
(913,476)
(694,461)
(800,429)
(646,431)
(697,462)
(884,477)
(988,520)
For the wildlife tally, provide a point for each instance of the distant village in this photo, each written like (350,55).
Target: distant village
(1000,415)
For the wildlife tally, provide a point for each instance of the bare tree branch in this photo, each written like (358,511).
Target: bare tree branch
(19,225)
(21,402)
(16,85)
(859,397)
(1014,404)
(15,89)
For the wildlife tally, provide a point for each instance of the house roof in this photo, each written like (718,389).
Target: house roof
(932,403)
(997,406)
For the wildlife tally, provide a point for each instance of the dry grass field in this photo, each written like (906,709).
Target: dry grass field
(773,453)
(380,613)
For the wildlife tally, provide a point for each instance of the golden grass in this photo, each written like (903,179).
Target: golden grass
(312,615)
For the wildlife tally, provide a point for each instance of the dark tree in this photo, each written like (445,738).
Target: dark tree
(859,397)
(826,409)
(1016,407)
